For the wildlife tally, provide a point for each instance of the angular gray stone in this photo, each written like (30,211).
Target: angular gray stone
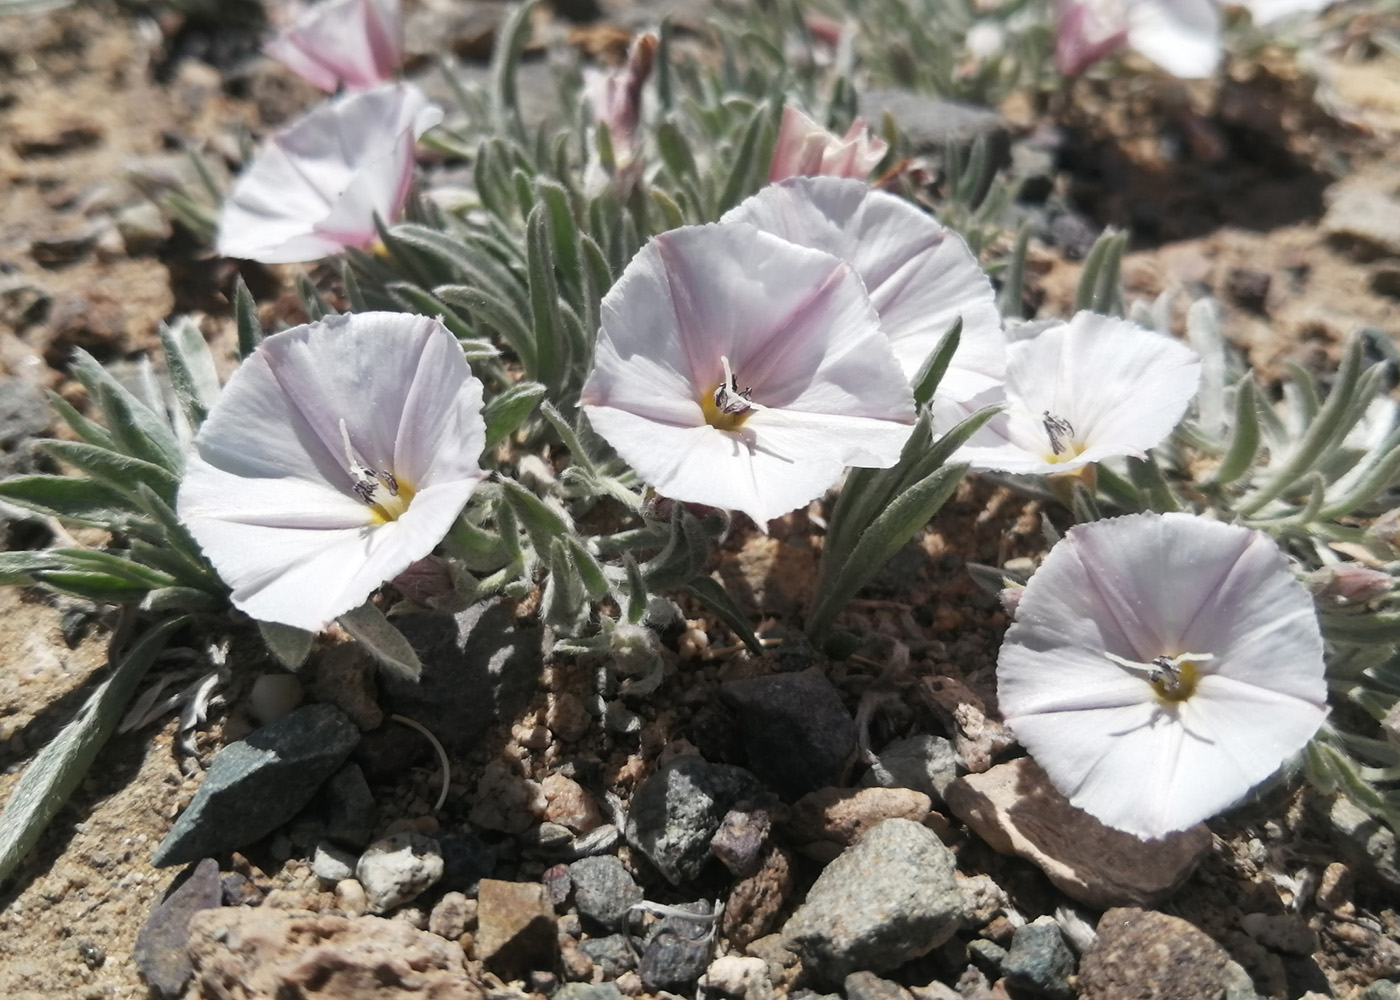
(588,991)
(332,864)
(1363,215)
(677,810)
(255,785)
(603,890)
(677,952)
(1040,960)
(351,811)
(1364,841)
(160,955)
(478,666)
(925,763)
(398,869)
(1382,989)
(797,732)
(868,986)
(890,898)
(612,954)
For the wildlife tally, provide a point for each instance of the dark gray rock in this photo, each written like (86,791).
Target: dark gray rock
(24,414)
(1364,841)
(677,951)
(987,956)
(257,784)
(925,763)
(932,125)
(477,666)
(677,810)
(466,860)
(1040,960)
(351,811)
(160,956)
(868,986)
(613,954)
(890,898)
(797,733)
(740,840)
(604,890)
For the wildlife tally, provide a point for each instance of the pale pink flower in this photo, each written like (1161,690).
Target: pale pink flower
(805,149)
(358,43)
(338,454)
(1264,12)
(920,275)
(318,184)
(739,370)
(1181,36)
(1161,666)
(1077,393)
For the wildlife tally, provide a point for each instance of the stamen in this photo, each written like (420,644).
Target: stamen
(1173,677)
(379,490)
(1059,431)
(729,398)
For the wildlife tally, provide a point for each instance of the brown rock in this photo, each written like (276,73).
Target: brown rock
(345,678)
(1152,956)
(57,138)
(755,903)
(566,717)
(829,820)
(515,928)
(570,804)
(161,952)
(247,953)
(1015,809)
(451,915)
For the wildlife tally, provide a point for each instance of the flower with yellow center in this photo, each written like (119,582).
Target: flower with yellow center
(338,454)
(1160,666)
(738,370)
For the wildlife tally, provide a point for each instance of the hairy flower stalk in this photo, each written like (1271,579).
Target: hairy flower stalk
(339,453)
(1161,666)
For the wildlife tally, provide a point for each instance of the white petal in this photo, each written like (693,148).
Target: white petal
(920,276)
(798,331)
(1181,36)
(1268,11)
(269,497)
(334,167)
(355,42)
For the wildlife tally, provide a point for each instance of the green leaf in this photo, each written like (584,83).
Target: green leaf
(134,426)
(936,364)
(551,355)
(507,411)
(683,556)
(71,499)
(245,318)
(97,561)
(17,568)
(717,599)
(636,605)
(1011,299)
(1244,442)
(505,63)
(56,771)
(742,180)
(563,602)
(382,640)
(542,522)
(103,588)
(675,151)
(290,645)
(590,573)
(191,366)
(180,600)
(121,472)
(89,431)
(492,311)
(887,534)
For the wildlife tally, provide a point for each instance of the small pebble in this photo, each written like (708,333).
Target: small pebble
(333,864)
(449,916)
(350,898)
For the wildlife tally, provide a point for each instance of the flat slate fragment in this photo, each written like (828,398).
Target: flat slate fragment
(160,954)
(257,784)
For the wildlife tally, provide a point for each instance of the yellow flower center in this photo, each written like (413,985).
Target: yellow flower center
(386,506)
(1174,680)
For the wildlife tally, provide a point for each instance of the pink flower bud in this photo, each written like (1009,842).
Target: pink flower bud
(1347,585)
(805,149)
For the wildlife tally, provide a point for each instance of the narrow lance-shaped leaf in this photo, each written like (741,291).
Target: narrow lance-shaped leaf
(191,366)
(507,411)
(717,599)
(1244,442)
(245,318)
(57,770)
(382,640)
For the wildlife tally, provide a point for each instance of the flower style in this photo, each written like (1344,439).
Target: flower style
(338,454)
(1078,393)
(1160,666)
(615,99)
(739,370)
(319,183)
(805,149)
(1181,36)
(358,43)
(920,275)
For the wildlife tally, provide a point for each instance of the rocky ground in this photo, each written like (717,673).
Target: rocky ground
(757,826)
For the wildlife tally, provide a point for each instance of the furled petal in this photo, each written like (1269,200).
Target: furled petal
(268,494)
(920,275)
(320,181)
(1181,36)
(1087,31)
(1146,586)
(800,335)
(804,148)
(1120,388)
(358,43)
